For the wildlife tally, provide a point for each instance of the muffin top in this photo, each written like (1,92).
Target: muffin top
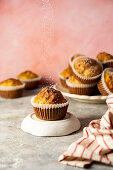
(108,76)
(11,82)
(87,67)
(75,56)
(66,73)
(27,75)
(49,95)
(74,80)
(103,56)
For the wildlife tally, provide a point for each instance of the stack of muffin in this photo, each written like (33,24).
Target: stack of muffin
(13,88)
(85,74)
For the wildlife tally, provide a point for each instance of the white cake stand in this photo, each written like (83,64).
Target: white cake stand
(31,124)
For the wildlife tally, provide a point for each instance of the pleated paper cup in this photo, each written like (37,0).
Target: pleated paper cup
(12,91)
(71,61)
(71,58)
(62,80)
(31,83)
(50,111)
(108,63)
(80,89)
(102,87)
(83,79)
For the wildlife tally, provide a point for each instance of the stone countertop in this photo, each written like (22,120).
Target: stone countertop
(22,151)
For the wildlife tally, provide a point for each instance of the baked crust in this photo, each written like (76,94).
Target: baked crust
(87,67)
(49,95)
(108,76)
(66,73)
(27,75)
(11,82)
(103,56)
(74,80)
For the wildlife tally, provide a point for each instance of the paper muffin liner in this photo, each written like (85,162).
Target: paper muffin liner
(70,68)
(102,87)
(108,63)
(70,62)
(83,79)
(31,83)
(80,89)
(12,91)
(49,111)
(12,88)
(62,80)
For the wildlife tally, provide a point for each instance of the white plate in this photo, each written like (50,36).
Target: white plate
(31,124)
(82,98)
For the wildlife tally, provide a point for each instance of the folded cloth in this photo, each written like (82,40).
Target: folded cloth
(96,143)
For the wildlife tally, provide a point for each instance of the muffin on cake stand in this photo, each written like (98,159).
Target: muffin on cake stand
(50,117)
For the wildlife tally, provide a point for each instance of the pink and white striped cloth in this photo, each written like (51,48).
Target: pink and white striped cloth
(96,143)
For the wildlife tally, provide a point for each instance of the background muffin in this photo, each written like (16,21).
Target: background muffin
(72,58)
(77,87)
(103,56)
(30,79)
(106,59)
(11,88)
(105,84)
(87,69)
(49,104)
(64,75)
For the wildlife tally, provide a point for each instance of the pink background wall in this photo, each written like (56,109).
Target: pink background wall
(41,34)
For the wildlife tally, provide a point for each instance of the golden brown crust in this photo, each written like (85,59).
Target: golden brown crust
(49,96)
(103,56)
(74,80)
(108,77)
(87,67)
(66,73)
(76,56)
(11,82)
(27,75)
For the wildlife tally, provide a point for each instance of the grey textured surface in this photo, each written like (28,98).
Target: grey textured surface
(22,151)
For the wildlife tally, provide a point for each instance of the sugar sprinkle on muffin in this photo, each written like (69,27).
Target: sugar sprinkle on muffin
(87,69)
(49,104)
(49,96)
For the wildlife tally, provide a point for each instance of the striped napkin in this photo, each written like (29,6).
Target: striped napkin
(96,143)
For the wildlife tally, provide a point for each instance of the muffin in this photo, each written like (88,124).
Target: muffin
(30,79)
(86,69)
(11,88)
(64,75)
(49,104)
(77,87)
(105,84)
(72,58)
(106,59)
